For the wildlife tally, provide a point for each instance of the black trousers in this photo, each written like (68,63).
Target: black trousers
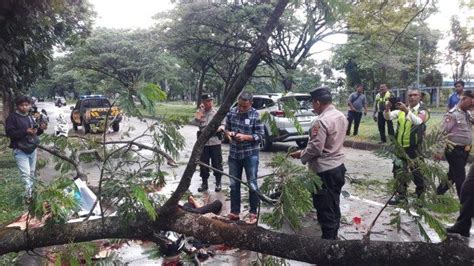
(467,203)
(356,117)
(326,201)
(412,153)
(457,159)
(381,125)
(213,153)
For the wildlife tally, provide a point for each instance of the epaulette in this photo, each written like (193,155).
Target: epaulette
(453,109)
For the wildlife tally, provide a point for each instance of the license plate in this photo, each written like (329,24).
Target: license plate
(303,118)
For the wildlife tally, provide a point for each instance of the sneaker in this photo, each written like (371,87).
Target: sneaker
(455,230)
(233,216)
(251,218)
(218,188)
(203,187)
(396,200)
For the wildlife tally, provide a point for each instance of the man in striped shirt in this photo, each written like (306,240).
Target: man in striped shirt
(244,128)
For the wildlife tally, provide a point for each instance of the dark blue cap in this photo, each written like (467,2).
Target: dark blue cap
(321,93)
(206,96)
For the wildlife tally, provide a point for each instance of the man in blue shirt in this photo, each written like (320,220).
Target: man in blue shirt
(456,96)
(244,128)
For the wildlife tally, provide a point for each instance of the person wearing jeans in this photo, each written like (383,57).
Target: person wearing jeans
(356,103)
(20,126)
(244,130)
(236,167)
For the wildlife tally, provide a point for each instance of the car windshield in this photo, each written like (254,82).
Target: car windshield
(95,103)
(302,101)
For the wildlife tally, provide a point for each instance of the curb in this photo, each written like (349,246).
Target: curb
(360,145)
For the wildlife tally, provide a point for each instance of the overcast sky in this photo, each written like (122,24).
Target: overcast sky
(138,13)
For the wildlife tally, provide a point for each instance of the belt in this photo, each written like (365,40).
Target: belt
(466,148)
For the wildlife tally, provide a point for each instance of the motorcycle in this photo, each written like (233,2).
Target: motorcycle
(61,128)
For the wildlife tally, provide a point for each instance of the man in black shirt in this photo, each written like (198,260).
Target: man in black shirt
(23,130)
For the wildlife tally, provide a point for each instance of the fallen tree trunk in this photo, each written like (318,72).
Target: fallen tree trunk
(453,251)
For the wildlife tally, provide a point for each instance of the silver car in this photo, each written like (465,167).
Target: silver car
(273,106)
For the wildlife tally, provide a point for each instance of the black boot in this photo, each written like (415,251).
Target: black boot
(218,185)
(455,229)
(203,187)
(396,199)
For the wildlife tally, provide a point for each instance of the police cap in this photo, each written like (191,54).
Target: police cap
(206,96)
(321,94)
(468,93)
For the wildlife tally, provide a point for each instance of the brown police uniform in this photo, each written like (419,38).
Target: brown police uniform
(212,150)
(324,156)
(457,124)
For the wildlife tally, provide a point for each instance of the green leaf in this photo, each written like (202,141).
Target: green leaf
(141,196)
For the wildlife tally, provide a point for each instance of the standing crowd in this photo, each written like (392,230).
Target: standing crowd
(324,152)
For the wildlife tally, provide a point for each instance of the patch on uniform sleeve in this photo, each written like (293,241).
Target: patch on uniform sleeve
(315,130)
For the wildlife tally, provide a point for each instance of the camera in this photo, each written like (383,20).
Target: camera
(393,101)
(220,135)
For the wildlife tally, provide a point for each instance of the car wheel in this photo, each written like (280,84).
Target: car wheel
(302,143)
(266,143)
(116,127)
(86,127)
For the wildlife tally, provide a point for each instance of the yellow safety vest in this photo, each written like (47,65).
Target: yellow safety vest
(408,135)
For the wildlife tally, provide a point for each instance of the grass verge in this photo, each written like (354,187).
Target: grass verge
(173,110)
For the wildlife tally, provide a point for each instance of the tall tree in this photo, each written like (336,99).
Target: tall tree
(459,49)
(28,32)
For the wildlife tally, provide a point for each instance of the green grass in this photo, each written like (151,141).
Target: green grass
(173,109)
(11,188)
(11,195)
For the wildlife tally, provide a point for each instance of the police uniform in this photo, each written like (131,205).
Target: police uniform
(212,149)
(410,132)
(325,157)
(380,103)
(457,124)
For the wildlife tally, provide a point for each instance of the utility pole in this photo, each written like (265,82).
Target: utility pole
(418,64)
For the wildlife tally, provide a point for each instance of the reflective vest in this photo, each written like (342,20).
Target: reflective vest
(380,101)
(407,134)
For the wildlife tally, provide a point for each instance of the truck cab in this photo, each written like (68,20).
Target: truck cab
(91,111)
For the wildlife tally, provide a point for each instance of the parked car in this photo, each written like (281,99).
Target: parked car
(90,112)
(273,104)
(59,101)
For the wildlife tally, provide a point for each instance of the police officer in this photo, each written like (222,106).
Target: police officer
(379,106)
(457,124)
(212,149)
(463,223)
(410,131)
(325,157)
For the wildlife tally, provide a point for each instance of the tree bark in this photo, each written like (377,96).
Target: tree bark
(453,251)
(7,101)
(258,52)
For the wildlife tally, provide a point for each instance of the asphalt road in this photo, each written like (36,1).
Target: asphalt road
(362,203)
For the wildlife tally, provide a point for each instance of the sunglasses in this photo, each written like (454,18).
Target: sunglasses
(413,95)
